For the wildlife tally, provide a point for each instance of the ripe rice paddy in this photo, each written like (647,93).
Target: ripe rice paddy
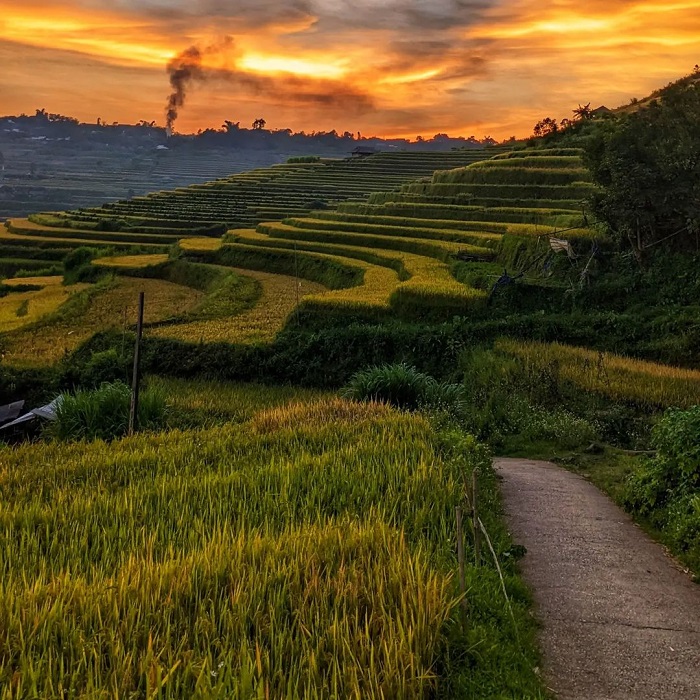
(306,553)
(399,247)
(622,379)
(114,306)
(24,308)
(257,325)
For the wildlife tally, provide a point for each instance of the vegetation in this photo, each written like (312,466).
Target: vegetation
(242,559)
(103,413)
(404,387)
(666,490)
(648,162)
(621,379)
(491,294)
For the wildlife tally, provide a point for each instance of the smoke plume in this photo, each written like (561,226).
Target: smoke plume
(187,68)
(183,69)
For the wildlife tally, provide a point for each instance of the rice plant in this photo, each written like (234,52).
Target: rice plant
(307,553)
(622,379)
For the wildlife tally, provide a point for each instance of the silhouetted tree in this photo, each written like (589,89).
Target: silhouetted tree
(545,126)
(583,112)
(565,124)
(259,124)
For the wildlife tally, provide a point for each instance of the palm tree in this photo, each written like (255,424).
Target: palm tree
(584,112)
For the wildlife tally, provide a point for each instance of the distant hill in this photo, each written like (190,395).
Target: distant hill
(53,162)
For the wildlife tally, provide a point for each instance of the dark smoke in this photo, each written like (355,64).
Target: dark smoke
(187,68)
(183,69)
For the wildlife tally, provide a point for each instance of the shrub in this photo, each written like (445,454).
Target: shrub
(77,266)
(403,386)
(104,413)
(667,488)
(675,471)
(103,368)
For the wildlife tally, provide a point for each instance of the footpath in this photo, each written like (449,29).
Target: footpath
(619,618)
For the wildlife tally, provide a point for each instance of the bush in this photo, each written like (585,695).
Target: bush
(666,490)
(103,368)
(77,266)
(674,474)
(104,413)
(403,386)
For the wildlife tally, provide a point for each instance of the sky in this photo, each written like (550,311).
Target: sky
(392,68)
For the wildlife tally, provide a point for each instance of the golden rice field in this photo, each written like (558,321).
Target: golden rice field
(205,402)
(257,325)
(35,281)
(307,553)
(430,280)
(623,379)
(133,261)
(203,243)
(24,308)
(115,306)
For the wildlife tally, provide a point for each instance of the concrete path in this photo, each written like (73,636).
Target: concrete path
(619,618)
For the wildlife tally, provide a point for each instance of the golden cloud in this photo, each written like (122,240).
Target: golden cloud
(401,67)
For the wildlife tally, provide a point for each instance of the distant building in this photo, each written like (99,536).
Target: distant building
(364,151)
(601,112)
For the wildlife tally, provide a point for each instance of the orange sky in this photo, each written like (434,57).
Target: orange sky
(391,68)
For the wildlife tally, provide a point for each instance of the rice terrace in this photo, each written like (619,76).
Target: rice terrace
(320,415)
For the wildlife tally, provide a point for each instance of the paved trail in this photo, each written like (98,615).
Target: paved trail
(619,619)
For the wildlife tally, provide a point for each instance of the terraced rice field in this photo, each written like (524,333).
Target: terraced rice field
(24,308)
(113,307)
(280,295)
(240,561)
(364,255)
(624,379)
(238,201)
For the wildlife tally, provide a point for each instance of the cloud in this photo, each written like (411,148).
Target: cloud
(190,67)
(383,66)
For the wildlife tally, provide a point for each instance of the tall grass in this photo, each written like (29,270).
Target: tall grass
(403,386)
(104,413)
(622,379)
(307,553)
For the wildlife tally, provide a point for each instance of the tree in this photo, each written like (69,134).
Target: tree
(259,124)
(647,164)
(228,126)
(583,112)
(545,127)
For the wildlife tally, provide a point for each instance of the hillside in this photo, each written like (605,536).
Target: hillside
(273,538)
(50,161)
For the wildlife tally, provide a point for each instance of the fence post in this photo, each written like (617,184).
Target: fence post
(136,379)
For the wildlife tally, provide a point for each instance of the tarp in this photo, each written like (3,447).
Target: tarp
(47,412)
(10,411)
(559,245)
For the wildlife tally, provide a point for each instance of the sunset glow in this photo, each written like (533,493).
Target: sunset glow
(398,68)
